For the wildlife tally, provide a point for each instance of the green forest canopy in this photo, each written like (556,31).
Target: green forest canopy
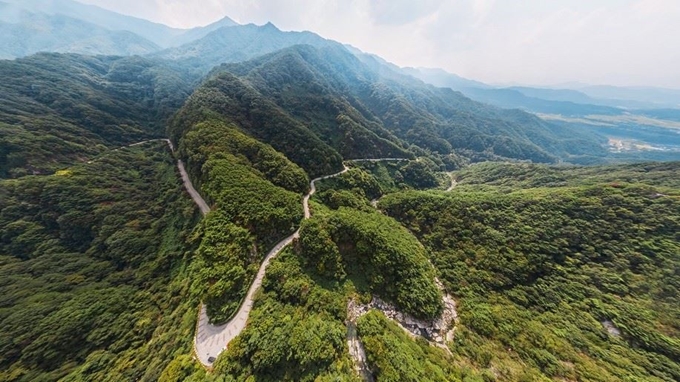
(537,271)
(108,261)
(93,270)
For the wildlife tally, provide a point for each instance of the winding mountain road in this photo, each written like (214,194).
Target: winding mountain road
(202,205)
(211,340)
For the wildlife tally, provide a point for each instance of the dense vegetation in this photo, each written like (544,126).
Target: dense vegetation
(509,177)
(103,261)
(419,174)
(93,270)
(540,273)
(229,99)
(215,139)
(326,87)
(355,180)
(296,331)
(59,109)
(318,105)
(373,250)
(395,357)
(365,182)
(255,194)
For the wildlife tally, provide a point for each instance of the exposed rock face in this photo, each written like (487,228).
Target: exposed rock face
(439,330)
(611,328)
(356,348)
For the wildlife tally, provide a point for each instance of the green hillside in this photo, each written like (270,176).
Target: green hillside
(356,110)
(559,271)
(255,195)
(544,260)
(93,263)
(57,109)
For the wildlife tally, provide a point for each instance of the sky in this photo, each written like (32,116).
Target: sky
(530,42)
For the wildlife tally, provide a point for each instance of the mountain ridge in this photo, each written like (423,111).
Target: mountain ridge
(549,272)
(27,19)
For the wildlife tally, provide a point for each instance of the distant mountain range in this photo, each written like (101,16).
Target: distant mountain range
(561,133)
(66,26)
(573,99)
(238,44)
(37,32)
(344,105)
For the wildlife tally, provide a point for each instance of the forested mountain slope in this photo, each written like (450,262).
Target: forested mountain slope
(31,26)
(255,196)
(560,273)
(93,270)
(28,33)
(58,109)
(329,99)
(508,177)
(297,328)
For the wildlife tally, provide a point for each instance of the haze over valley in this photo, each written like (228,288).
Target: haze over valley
(339,191)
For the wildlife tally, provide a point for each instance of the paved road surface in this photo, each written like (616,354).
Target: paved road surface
(312,190)
(454,183)
(211,340)
(202,205)
(379,160)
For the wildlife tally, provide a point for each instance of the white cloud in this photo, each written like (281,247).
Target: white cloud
(626,42)
(400,12)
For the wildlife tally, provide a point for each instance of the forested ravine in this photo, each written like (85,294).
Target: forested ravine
(211,340)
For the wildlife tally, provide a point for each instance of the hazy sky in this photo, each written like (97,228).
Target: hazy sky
(620,42)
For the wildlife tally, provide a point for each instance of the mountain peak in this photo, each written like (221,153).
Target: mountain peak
(269,25)
(225,21)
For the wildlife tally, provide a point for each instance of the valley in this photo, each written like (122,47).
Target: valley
(254,202)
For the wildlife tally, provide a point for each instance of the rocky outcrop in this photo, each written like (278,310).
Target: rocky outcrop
(611,328)
(439,330)
(356,348)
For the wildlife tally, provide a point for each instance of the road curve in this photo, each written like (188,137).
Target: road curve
(454,182)
(312,190)
(200,202)
(211,340)
(202,205)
